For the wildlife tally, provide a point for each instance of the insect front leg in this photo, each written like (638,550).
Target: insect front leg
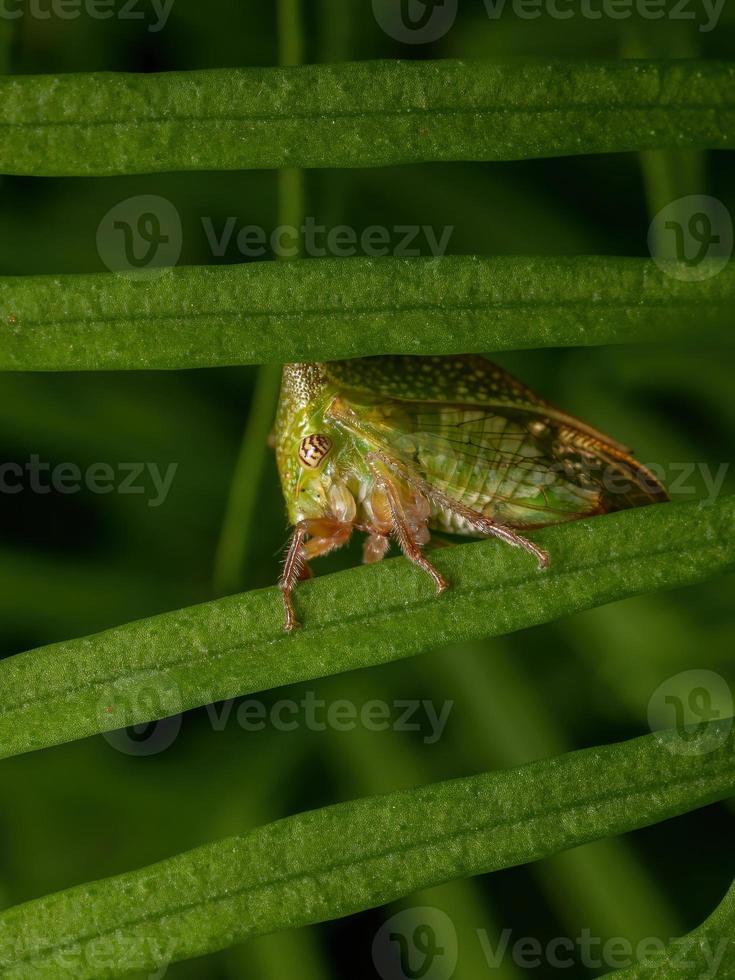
(324,535)
(404,529)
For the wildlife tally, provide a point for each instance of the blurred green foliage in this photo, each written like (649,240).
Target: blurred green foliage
(327,863)
(72,564)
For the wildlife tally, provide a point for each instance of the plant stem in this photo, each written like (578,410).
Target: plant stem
(246,486)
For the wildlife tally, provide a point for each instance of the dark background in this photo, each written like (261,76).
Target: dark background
(71,564)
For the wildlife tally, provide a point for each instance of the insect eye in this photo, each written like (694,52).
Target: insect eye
(313,449)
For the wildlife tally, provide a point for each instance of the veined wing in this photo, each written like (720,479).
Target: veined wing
(490,443)
(466,379)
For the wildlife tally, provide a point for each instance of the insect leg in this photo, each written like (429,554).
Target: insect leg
(401,527)
(326,535)
(375,548)
(294,566)
(482,524)
(485,525)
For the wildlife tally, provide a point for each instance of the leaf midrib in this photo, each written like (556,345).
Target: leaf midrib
(389,113)
(239,313)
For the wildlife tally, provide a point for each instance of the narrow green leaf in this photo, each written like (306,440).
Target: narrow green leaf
(358,618)
(360,768)
(320,309)
(359,114)
(605,885)
(333,862)
(708,951)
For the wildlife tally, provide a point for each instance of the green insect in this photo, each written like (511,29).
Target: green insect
(398,446)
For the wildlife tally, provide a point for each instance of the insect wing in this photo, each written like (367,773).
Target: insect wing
(467,428)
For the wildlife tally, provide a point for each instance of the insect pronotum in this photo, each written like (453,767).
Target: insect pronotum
(397,447)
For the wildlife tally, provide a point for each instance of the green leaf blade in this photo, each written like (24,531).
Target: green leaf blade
(237,645)
(708,951)
(324,309)
(359,114)
(345,858)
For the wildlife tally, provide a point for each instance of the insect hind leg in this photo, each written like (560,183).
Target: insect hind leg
(486,526)
(405,534)
(479,522)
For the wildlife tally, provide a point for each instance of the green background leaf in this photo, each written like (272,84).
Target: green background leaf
(359,115)
(72,564)
(158,667)
(330,308)
(707,951)
(339,860)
